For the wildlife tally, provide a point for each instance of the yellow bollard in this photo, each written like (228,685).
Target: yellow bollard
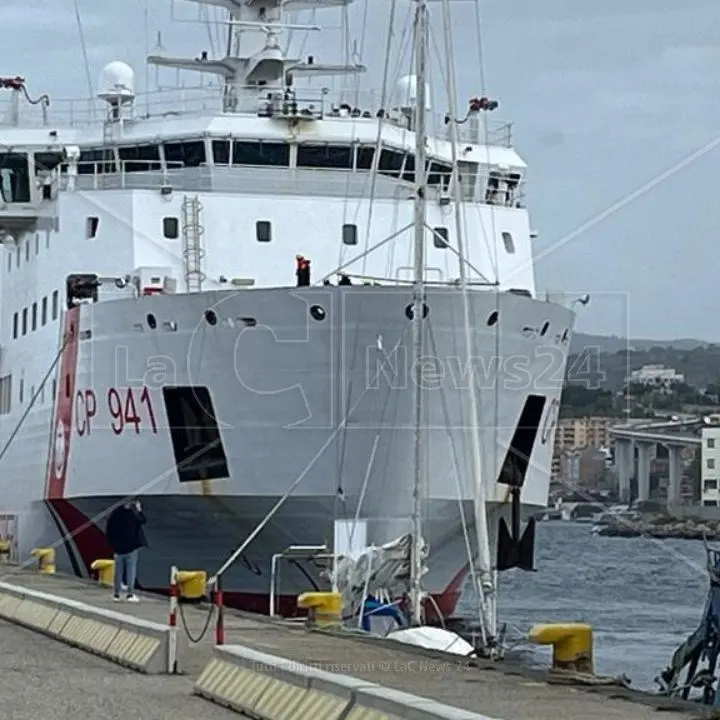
(192,583)
(46,559)
(324,608)
(572,645)
(105,570)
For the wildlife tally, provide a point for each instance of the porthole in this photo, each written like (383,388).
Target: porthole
(211,317)
(151,321)
(409,311)
(317,312)
(564,335)
(493,318)
(544,329)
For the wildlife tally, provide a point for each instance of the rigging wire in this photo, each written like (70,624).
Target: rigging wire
(83,46)
(456,465)
(378,140)
(481,523)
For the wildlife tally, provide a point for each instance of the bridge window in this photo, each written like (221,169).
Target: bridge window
(409,169)
(221,152)
(46,161)
(710,503)
(711,463)
(16,322)
(710,485)
(439,174)
(43,312)
(140,158)
(263,231)
(710,443)
(91,227)
(96,161)
(171,228)
(14,177)
(349,234)
(391,163)
(364,158)
(507,239)
(440,237)
(261,153)
(325,156)
(185,153)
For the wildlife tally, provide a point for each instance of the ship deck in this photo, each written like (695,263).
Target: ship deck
(503,691)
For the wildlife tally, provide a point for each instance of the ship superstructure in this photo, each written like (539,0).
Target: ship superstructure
(154,340)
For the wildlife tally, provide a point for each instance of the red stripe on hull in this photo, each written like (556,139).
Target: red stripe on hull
(88,538)
(65,392)
(92,544)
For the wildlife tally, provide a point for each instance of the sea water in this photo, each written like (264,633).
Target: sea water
(641,596)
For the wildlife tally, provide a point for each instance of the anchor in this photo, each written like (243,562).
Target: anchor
(514,549)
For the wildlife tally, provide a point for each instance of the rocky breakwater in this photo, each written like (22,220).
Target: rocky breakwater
(662,526)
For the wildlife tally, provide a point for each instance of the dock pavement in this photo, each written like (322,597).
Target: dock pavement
(43,678)
(503,690)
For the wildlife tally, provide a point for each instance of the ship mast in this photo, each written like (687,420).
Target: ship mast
(420,212)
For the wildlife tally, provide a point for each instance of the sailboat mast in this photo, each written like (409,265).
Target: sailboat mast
(419,298)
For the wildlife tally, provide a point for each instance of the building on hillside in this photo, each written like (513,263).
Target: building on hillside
(710,466)
(580,434)
(655,376)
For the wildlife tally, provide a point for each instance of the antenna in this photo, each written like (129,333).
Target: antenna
(158,50)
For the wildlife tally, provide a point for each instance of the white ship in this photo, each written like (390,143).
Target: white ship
(154,341)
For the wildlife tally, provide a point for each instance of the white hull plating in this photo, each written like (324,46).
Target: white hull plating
(327,399)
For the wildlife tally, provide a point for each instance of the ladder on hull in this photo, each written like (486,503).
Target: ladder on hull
(193,251)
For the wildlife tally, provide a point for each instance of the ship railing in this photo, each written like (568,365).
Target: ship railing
(111,174)
(211,101)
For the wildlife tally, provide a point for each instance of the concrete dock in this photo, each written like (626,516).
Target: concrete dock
(504,691)
(43,678)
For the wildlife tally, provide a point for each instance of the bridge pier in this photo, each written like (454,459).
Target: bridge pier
(676,473)
(643,469)
(624,464)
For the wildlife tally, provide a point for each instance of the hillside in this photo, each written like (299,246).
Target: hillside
(613,343)
(601,362)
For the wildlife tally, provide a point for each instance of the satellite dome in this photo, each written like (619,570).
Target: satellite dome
(117,82)
(406,92)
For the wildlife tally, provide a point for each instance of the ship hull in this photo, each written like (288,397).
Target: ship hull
(311,397)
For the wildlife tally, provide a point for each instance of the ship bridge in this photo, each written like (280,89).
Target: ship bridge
(30,163)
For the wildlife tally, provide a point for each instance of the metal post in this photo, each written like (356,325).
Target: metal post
(172,622)
(220,626)
(273,571)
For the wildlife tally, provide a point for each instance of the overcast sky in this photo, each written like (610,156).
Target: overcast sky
(605,97)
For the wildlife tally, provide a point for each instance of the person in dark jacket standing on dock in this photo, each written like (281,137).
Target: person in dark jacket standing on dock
(126,536)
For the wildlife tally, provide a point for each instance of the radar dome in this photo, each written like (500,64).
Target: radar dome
(117,83)
(406,92)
